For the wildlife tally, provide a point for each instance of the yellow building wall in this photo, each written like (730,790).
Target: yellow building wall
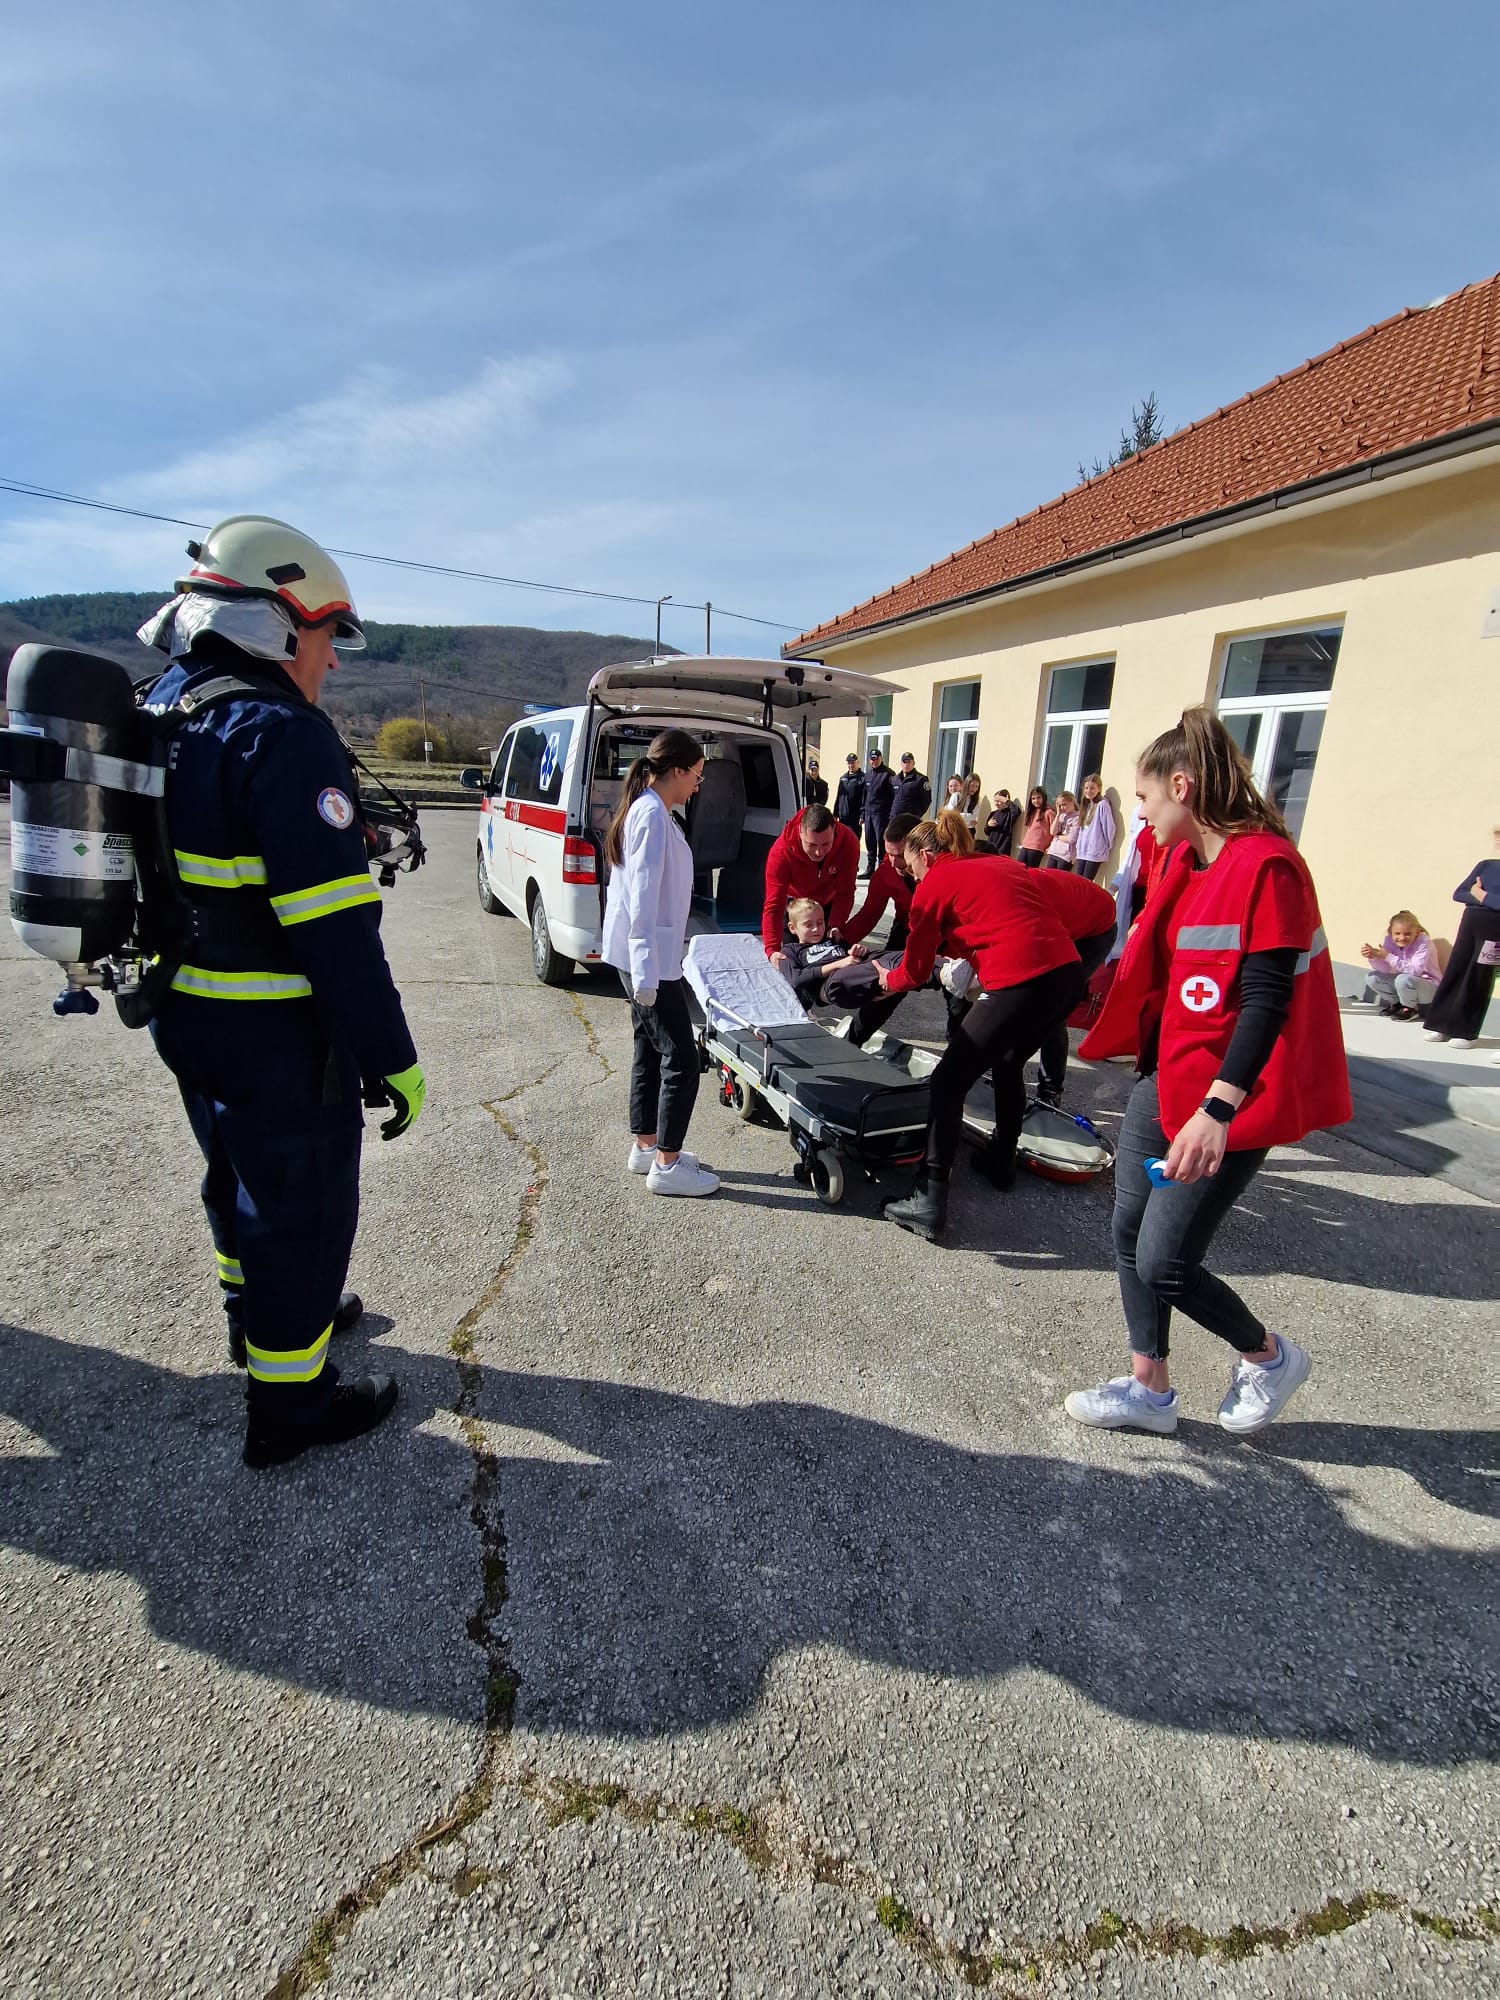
(1406,789)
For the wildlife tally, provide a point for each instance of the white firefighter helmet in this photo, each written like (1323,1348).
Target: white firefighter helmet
(250,555)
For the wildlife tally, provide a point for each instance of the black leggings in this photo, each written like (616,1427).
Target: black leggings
(663,1065)
(999,1033)
(1053,1055)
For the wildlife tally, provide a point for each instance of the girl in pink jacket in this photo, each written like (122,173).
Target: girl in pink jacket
(1404,973)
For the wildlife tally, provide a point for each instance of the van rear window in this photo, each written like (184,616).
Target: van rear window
(537,762)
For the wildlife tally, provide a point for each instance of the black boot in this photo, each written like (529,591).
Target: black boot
(925,1210)
(998,1167)
(348,1313)
(352,1409)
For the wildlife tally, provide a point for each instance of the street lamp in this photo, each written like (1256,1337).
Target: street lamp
(659,603)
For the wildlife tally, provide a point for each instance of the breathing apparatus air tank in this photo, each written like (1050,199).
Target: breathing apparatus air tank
(78,761)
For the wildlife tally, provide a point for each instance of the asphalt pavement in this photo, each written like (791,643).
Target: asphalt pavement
(728,1607)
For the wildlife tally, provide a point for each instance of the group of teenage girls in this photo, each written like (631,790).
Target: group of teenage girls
(1224,997)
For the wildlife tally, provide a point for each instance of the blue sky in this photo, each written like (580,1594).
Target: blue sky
(771,304)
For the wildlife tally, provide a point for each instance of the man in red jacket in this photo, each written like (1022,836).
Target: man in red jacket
(816,857)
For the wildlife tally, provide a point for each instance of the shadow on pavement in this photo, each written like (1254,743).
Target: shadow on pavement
(1204,1584)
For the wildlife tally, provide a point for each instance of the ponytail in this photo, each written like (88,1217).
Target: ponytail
(1225,797)
(673,750)
(949,833)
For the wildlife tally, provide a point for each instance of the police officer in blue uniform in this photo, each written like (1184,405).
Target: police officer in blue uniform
(282,1017)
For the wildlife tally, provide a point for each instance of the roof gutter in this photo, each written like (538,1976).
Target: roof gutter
(1410,458)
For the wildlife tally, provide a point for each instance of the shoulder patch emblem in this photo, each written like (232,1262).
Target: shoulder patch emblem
(334,806)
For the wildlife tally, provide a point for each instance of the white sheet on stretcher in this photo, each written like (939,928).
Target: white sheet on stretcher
(734,973)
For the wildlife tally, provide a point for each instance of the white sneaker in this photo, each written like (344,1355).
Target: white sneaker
(1258,1394)
(684,1176)
(1121,1405)
(1433,1035)
(642,1156)
(1462,1042)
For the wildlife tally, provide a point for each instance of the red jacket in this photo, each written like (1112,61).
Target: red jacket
(988,910)
(789,873)
(1082,908)
(887,888)
(1181,972)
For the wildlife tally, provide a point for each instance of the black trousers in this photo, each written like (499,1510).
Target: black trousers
(1031,857)
(875,1013)
(663,1065)
(1000,1033)
(1053,1054)
(1462,1000)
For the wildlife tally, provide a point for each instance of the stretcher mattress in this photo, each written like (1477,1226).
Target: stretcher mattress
(831,1080)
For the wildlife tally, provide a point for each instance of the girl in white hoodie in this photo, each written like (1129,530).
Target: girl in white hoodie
(645,929)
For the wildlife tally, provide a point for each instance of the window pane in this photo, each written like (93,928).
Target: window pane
(1292,764)
(1245,729)
(880,715)
(1075,688)
(1055,760)
(1289,663)
(959,703)
(536,765)
(1092,757)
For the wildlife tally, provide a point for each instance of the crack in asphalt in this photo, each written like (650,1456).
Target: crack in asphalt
(331,1929)
(769,1838)
(590,1032)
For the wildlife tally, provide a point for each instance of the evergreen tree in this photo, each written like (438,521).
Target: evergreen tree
(1146,428)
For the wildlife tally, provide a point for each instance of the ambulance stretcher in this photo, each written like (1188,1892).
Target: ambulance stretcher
(845,1107)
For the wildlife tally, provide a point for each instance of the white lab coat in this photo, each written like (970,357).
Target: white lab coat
(649,896)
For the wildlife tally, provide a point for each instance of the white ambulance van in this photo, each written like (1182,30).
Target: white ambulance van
(556,780)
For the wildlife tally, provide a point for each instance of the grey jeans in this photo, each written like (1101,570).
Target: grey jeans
(1162,1236)
(1405,989)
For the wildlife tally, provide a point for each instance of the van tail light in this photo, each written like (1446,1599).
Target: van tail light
(580,863)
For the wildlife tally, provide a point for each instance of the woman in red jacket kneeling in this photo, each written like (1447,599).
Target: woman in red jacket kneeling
(994,914)
(1225,997)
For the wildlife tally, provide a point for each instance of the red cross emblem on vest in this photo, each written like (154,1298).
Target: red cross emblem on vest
(1200,993)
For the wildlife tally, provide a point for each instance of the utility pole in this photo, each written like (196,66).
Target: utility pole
(426,742)
(708,627)
(659,603)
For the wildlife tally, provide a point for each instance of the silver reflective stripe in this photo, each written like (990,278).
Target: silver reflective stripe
(1209,937)
(1305,959)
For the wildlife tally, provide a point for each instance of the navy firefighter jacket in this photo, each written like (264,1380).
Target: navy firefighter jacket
(284,991)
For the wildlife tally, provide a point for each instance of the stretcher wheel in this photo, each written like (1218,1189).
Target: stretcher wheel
(746,1099)
(801,1173)
(828,1179)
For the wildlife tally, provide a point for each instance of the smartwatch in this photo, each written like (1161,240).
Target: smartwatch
(1218,1109)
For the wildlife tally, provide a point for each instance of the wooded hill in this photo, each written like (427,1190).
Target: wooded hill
(477,678)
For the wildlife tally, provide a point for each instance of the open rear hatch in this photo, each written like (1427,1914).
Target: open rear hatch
(760,692)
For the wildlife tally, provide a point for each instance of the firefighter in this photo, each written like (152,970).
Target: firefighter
(283,1017)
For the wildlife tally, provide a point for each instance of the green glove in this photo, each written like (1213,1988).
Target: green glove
(408,1089)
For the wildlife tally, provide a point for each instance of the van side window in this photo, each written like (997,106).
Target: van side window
(537,762)
(497,769)
(758,761)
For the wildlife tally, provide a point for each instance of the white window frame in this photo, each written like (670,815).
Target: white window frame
(878,736)
(1078,718)
(1272,707)
(957,731)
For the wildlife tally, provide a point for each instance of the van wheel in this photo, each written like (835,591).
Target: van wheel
(489,902)
(828,1179)
(746,1100)
(549,966)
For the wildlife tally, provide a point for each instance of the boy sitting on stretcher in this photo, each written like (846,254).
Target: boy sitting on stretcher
(811,956)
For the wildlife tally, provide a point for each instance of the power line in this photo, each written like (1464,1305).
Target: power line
(29,490)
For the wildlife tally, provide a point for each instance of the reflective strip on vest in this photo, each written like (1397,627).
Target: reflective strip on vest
(214,871)
(229,1269)
(1209,937)
(1305,959)
(204,984)
(285,1364)
(324,899)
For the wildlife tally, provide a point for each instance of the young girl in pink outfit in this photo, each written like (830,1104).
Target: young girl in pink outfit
(1404,973)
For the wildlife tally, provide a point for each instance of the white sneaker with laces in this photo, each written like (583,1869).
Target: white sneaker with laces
(684,1176)
(1258,1394)
(642,1156)
(1121,1405)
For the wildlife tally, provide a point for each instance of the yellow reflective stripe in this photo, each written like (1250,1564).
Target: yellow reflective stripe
(288,1364)
(214,871)
(323,899)
(229,1269)
(208,985)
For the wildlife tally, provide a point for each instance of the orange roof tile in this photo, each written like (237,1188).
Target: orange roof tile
(1404,382)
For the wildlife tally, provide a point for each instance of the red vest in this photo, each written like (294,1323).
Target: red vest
(1181,972)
